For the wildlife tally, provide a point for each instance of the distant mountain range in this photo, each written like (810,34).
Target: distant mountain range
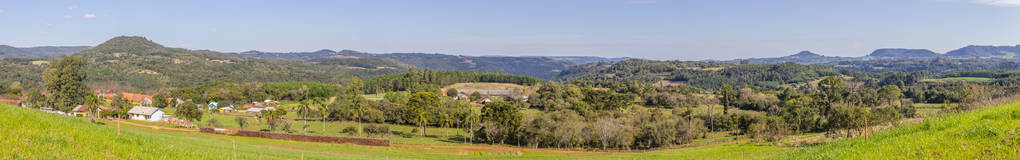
(973,51)
(544,67)
(38,52)
(535,66)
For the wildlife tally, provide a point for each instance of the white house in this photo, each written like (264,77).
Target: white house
(146,113)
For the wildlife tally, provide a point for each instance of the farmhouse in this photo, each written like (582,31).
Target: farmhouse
(138,98)
(146,113)
(12,101)
(83,110)
(134,98)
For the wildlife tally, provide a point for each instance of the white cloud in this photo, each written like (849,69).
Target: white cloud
(71,7)
(89,16)
(999,2)
(68,17)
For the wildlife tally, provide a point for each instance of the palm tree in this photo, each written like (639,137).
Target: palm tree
(93,101)
(304,109)
(323,110)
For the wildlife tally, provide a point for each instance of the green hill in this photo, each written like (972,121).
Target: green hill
(989,133)
(136,62)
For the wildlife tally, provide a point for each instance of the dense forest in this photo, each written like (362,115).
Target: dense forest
(416,80)
(698,74)
(933,65)
(540,67)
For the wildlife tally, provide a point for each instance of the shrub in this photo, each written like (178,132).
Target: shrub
(214,123)
(350,130)
(377,129)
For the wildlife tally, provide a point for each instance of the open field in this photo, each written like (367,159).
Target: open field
(989,133)
(524,90)
(984,133)
(31,134)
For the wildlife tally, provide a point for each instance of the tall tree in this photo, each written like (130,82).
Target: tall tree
(189,111)
(160,100)
(890,93)
(833,89)
(323,110)
(304,109)
(65,80)
(728,97)
(34,98)
(16,88)
(93,102)
(352,94)
(421,105)
(506,116)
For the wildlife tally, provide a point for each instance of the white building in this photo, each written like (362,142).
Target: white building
(146,113)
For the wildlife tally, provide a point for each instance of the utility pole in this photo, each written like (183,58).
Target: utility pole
(118,125)
(866,129)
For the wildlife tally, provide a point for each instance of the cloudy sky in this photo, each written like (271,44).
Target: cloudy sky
(654,29)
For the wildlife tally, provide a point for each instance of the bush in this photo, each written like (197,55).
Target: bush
(350,130)
(214,123)
(377,129)
(286,127)
(452,92)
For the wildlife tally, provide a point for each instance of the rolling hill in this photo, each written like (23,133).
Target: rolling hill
(968,52)
(136,62)
(534,66)
(38,52)
(901,53)
(698,74)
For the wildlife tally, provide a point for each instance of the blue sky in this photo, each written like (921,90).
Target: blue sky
(653,29)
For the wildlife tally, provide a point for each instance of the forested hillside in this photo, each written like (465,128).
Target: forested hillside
(38,52)
(541,67)
(136,62)
(428,80)
(933,65)
(698,74)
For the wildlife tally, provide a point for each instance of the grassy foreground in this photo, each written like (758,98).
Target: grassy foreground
(988,133)
(32,134)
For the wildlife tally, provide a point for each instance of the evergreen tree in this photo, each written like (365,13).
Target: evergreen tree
(728,97)
(65,80)
(188,111)
(421,105)
(506,116)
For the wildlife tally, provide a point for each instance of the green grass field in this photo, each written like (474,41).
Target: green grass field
(988,133)
(32,134)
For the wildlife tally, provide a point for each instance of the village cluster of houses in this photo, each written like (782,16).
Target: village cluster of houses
(143,109)
(488,93)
